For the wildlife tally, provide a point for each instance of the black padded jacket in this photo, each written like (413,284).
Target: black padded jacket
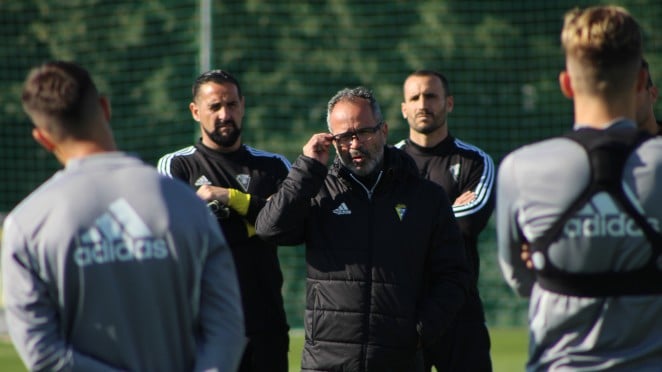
(386,267)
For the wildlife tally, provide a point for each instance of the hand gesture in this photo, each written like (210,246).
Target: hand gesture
(209,193)
(318,147)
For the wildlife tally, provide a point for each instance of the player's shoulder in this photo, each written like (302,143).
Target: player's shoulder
(651,149)
(653,144)
(166,161)
(469,149)
(541,155)
(183,152)
(268,155)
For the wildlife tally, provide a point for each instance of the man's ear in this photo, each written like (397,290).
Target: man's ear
(654,92)
(565,84)
(194,111)
(105,106)
(43,138)
(450,103)
(642,80)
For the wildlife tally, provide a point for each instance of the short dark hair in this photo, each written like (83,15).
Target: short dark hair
(61,93)
(215,76)
(444,81)
(353,95)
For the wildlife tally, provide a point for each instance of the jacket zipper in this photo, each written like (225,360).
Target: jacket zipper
(372,189)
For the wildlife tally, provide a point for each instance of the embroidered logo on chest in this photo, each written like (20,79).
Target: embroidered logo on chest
(244,180)
(455,171)
(401,209)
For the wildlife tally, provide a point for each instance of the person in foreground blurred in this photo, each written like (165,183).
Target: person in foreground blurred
(386,269)
(646,100)
(467,175)
(579,217)
(236,179)
(109,266)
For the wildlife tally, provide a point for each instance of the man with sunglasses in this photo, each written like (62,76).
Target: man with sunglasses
(387,271)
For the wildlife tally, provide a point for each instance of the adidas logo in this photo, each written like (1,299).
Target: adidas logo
(342,210)
(601,218)
(118,235)
(202,181)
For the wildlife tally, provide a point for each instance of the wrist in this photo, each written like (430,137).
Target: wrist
(238,201)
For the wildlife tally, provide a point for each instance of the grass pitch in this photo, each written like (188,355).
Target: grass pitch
(509,347)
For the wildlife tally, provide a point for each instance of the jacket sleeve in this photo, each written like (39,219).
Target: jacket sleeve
(221,341)
(282,220)
(32,313)
(509,236)
(473,216)
(447,277)
(281,170)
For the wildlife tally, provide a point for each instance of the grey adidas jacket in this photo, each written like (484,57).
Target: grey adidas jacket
(536,184)
(110,266)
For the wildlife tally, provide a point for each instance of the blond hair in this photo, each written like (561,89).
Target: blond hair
(603,47)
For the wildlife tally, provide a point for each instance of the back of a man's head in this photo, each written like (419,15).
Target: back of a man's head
(60,97)
(603,47)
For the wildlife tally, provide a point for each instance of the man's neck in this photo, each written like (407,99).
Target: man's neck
(208,143)
(651,125)
(80,149)
(430,139)
(597,112)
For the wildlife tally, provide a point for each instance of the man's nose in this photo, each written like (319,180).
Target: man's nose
(223,113)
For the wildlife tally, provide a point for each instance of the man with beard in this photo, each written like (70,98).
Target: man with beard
(467,175)
(386,270)
(236,179)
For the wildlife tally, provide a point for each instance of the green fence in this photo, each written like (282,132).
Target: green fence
(502,58)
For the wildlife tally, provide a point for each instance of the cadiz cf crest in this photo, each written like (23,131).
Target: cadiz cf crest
(401,209)
(244,180)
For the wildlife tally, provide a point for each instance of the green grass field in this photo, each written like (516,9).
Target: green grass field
(509,347)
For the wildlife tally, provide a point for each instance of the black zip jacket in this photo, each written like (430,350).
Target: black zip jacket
(386,267)
(258,173)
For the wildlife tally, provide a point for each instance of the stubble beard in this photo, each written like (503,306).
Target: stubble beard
(429,126)
(224,140)
(369,164)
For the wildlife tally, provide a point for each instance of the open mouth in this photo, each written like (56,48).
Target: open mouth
(358,159)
